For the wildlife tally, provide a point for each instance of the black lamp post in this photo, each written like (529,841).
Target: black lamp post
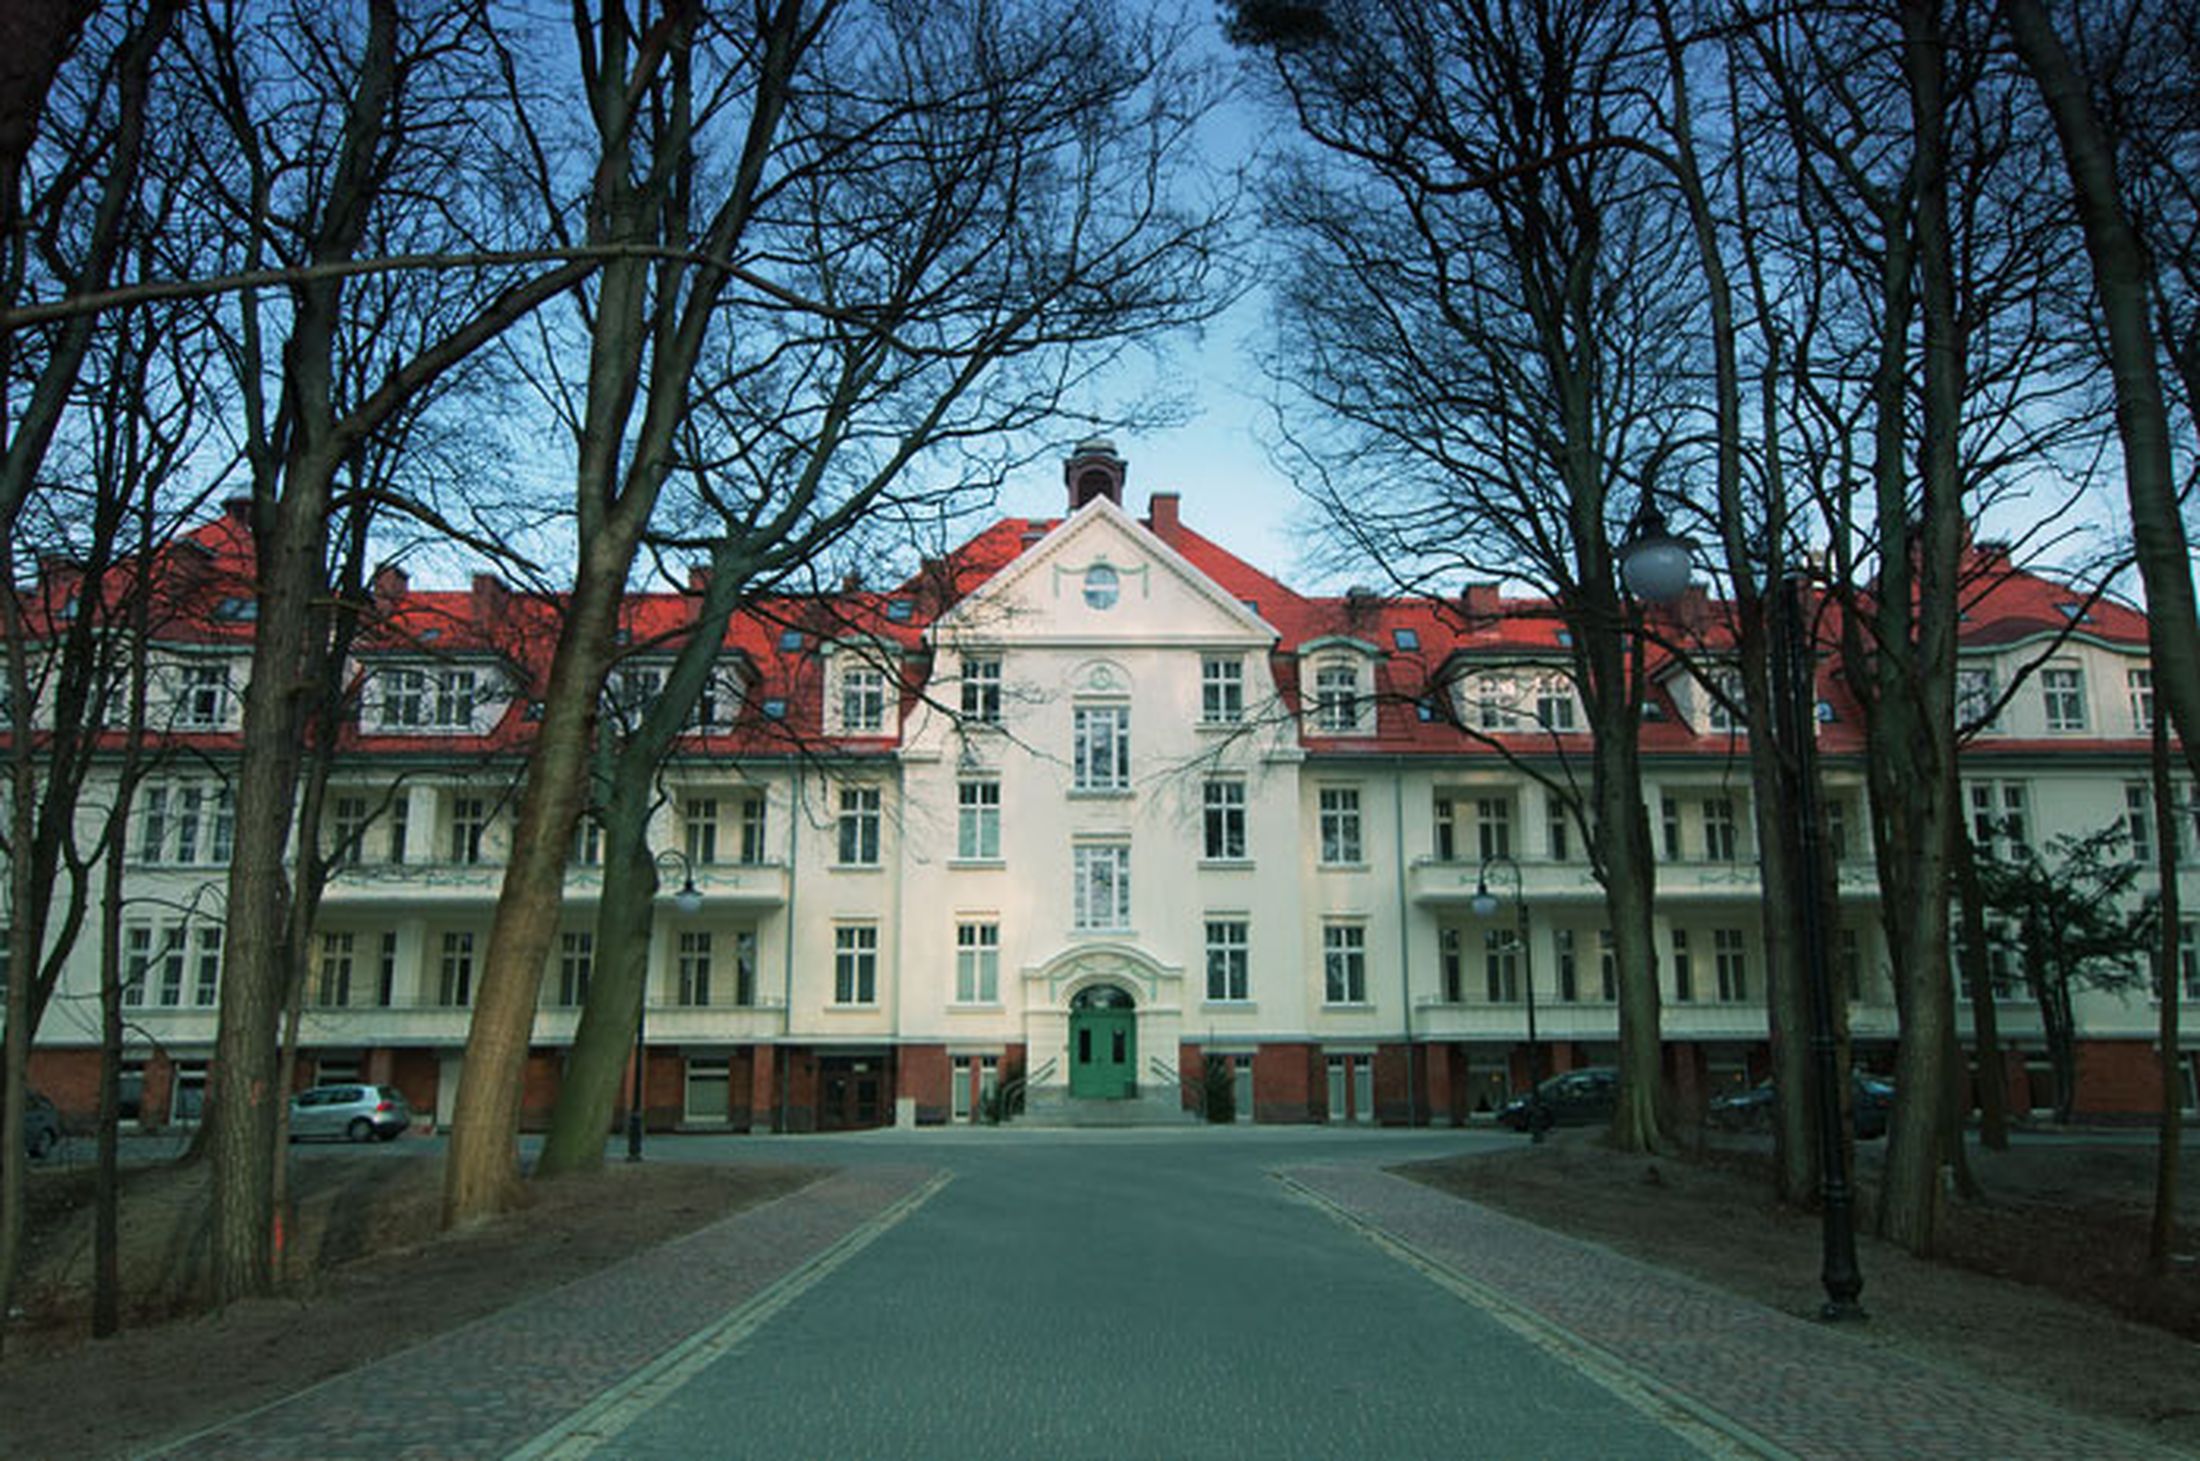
(1654,564)
(688,900)
(1485,906)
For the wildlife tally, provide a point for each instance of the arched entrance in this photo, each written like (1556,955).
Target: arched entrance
(1103,1044)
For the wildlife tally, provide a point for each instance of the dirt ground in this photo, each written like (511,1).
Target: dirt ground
(2042,1288)
(372,1276)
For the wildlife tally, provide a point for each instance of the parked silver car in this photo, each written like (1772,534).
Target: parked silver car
(349,1112)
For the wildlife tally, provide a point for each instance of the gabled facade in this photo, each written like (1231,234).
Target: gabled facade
(1091,803)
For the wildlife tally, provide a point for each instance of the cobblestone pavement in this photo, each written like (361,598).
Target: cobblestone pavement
(1772,1382)
(493,1385)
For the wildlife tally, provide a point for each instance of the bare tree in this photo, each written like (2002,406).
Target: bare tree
(1492,312)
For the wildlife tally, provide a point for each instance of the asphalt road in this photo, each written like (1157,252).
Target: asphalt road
(1128,1294)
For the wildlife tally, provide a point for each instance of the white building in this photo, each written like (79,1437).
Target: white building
(1088,805)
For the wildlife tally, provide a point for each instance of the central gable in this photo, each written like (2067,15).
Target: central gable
(1101,578)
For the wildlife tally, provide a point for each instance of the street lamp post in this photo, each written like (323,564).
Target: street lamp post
(688,900)
(1654,565)
(1485,906)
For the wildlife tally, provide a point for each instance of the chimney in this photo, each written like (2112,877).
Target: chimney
(238,510)
(1480,605)
(390,583)
(1161,515)
(1094,470)
(851,582)
(490,595)
(698,578)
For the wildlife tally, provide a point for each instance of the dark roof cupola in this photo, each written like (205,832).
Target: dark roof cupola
(1094,470)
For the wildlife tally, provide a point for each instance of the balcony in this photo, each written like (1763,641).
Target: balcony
(1435,884)
(725,886)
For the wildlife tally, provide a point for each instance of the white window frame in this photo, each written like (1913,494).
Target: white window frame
(693,961)
(862,700)
(1100,749)
(699,830)
(1730,965)
(1338,697)
(1222,819)
(2062,698)
(1221,690)
(2000,813)
(455,971)
(978,820)
(861,813)
(1338,811)
(576,966)
(855,964)
(1976,691)
(977,961)
(2139,689)
(1100,898)
(202,695)
(1229,960)
(1344,962)
(981,689)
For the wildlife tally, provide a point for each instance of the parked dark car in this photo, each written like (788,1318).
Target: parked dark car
(1871,1099)
(1571,1098)
(349,1112)
(41,1125)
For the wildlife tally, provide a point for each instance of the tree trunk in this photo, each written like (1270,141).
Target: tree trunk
(605,1039)
(1989,1084)
(2162,1232)
(481,1177)
(1629,890)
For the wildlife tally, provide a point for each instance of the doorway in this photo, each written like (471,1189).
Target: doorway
(1103,1045)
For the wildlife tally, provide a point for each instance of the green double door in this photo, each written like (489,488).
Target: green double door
(1103,1054)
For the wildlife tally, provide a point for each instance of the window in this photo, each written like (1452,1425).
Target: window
(701,819)
(152,964)
(1101,750)
(1975,696)
(400,817)
(1561,828)
(1836,812)
(469,822)
(404,699)
(2188,957)
(1501,966)
(1493,828)
(708,1093)
(576,965)
(588,842)
(1224,820)
(1998,822)
(1721,834)
(719,703)
(453,705)
(1669,818)
(1607,966)
(1337,697)
(1554,703)
(1447,830)
(1406,639)
(1569,969)
(855,964)
(1221,690)
(744,967)
(187,823)
(333,990)
(1494,699)
(1730,961)
(977,963)
(1340,825)
(201,696)
(1229,977)
(634,689)
(1344,963)
(981,691)
(2139,821)
(1102,586)
(859,819)
(694,967)
(1102,896)
(2062,690)
(978,821)
(752,829)
(348,830)
(1723,702)
(1450,969)
(862,700)
(385,971)
(1684,970)
(455,984)
(2139,685)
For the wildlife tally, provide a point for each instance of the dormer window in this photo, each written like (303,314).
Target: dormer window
(862,700)
(1722,690)
(1337,697)
(900,611)
(417,699)
(2062,688)
(1406,639)
(201,695)
(1975,696)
